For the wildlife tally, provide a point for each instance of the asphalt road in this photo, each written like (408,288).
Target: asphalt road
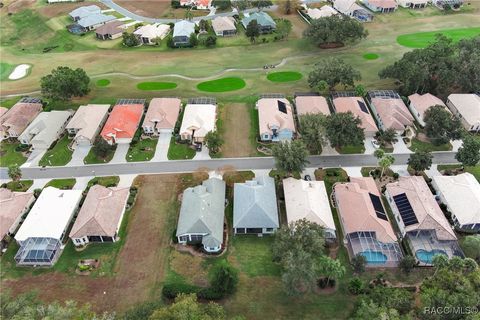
(157,167)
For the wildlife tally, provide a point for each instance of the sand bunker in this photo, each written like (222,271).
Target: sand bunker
(19,72)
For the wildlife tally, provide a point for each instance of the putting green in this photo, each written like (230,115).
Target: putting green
(370,56)
(284,76)
(423,39)
(103,82)
(222,85)
(151,86)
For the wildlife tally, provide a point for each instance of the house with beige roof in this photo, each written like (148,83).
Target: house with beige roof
(467,108)
(224,26)
(413,4)
(419,104)
(148,34)
(101,215)
(275,119)
(359,108)
(13,206)
(111,30)
(382,6)
(461,195)
(86,123)
(322,12)
(198,120)
(17,118)
(421,221)
(45,129)
(311,104)
(390,111)
(309,200)
(161,116)
(3,110)
(351,9)
(365,225)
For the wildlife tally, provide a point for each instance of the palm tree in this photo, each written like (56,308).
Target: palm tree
(15,173)
(388,136)
(189,15)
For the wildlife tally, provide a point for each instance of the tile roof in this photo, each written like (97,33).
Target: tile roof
(113,27)
(468,105)
(3,111)
(101,213)
(352,104)
(152,31)
(46,127)
(18,117)
(393,113)
(13,205)
(123,121)
(422,102)
(162,113)
(221,24)
(198,117)
(385,4)
(88,119)
(324,11)
(311,104)
(270,116)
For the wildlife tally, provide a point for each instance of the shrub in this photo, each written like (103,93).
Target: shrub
(22,148)
(358,263)
(224,278)
(396,175)
(172,290)
(356,286)
(209,294)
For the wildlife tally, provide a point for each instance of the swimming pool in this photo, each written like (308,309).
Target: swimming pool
(374,257)
(427,256)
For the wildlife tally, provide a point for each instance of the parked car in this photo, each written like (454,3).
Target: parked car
(198,147)
(375,144)
(307,178)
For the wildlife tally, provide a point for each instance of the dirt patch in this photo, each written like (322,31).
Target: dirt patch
(16,6)
(151,8)
(236,128)
(298,24)
(189,267)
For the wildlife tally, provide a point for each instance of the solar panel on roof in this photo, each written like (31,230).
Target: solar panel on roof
(30,100)
(130,101)
(405,209)
(282,107)
(202,100)
(362,106)
(377,205)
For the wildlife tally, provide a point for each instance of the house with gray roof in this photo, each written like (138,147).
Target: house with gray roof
(83,12)
(265,22)
(93,21)
(182,32)
(255,207)
(201,216)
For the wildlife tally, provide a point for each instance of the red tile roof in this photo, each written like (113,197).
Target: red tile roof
(123,121)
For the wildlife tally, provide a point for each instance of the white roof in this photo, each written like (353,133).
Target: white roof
(50,215)
(88,119)
(324,11)
(462,196)
(46,126)
(199,117)
(152,31)
(308,200)
(183,28)
(85,11)
(468,105)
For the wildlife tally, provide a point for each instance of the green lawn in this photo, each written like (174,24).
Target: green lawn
(473,170)
(426,146)
(102,82)
(351,149)
(284,76)
(21,186)
(179,151)
(152,86)
(64,184)
(422,39)
(143,150)
(5,70)
(370,56)
(92,158)
(111,181)
(254,255)
(59,155)
(222,85)
(9,156)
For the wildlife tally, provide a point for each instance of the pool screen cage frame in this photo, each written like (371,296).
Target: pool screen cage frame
(38,251)
(367,240)
(427,240)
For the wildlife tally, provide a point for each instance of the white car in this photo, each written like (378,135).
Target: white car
(375,144)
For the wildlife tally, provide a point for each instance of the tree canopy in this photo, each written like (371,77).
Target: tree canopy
(471,247)
(64,83)
(187,307)
(335,29)
(420,161)
(253,30)
(290,156)
(469,153)
(101,148)
(344,129)
(333,71)
(289,6)
(213,141)
(130,40)
(312,130)
(441,126)
(14,172)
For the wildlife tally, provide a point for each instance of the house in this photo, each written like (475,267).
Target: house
(182,31)
(101,215)
(264,21)
(148,34)
(3,110)
(45,129)
(419,104)
(364,223)
(358,107)
(14,205)
(421,221)
(42,233)
(390,110)
(461,195)
(86,123)
(413,4)
(224,26)
(311,104)
(93,21)
(444,4)
(351,9)
(199,4)
(309,200)
(198,120)
(109,31)
(275,119)
(18,117)
(161,116)
(467,108)
(84,11)
(201,217)
(382,6)
(322,12)
(122,123)
(255,206)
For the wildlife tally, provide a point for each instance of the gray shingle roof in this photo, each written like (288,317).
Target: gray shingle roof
(255,204)
(262,18)
(85,11)
(95,19)
(183,28)
(202,211)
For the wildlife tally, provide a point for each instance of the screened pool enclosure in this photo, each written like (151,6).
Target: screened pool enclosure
(38,252)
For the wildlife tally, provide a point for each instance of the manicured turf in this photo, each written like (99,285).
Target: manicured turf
(351,149)
(5,70)
(9,156)
(179,151)
(103,82)
(152,86)
(370,56)
(422,39)
(92,158)
(284,76)
(255,256)
(111,181)
(20,186)
(142,150)
(473,170)
(222,85)
(64,184)
(59,155)
(426,146)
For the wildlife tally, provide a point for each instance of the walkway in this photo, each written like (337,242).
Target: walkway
(161,152)
(78,155)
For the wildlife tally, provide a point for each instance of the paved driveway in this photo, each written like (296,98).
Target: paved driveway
(327,150)
(126,180)
(401,170)
(369,148)
(161,152)
(121,153)
(38,184)
(78,155)
(353,171)
(202,155)
(81,183)
(400,146)
(34,158)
